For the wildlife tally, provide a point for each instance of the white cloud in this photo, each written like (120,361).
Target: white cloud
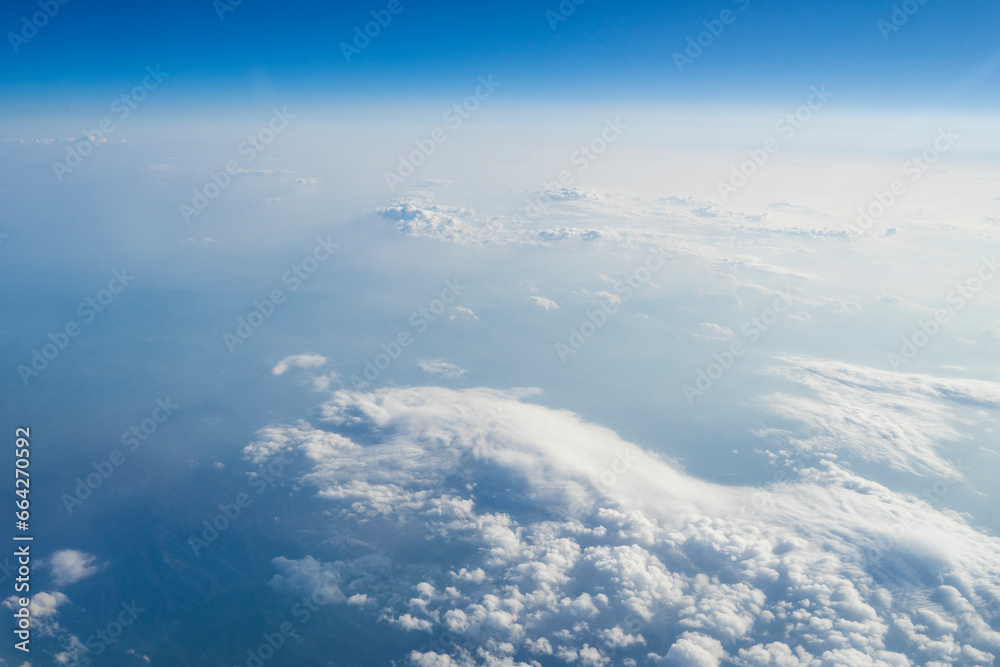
(441,367)
(626,220)
(416,216)
(608,297)
(299,361)
(547,304)
(617,637)
(145,658)
(70,566)
(411,623)
(902,301)
(306,576)
(44,607)
(692,650)
(899,419)
(464,313)
(714,331)
(512,526)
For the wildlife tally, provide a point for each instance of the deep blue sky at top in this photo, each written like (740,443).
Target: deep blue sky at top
(773,51)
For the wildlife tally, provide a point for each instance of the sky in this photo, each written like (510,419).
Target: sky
(513,334)
(770,50)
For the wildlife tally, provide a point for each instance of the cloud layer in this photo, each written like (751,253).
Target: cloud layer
(505,533)
(898,419)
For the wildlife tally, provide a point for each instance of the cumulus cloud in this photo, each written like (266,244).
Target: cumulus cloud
(299,361)
(46,605)
(44,608)
(70,566)
(307,576)
(625,220)
(528,532)
(418,217)
(692,650)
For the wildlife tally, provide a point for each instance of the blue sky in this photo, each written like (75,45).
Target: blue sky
(770,51)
